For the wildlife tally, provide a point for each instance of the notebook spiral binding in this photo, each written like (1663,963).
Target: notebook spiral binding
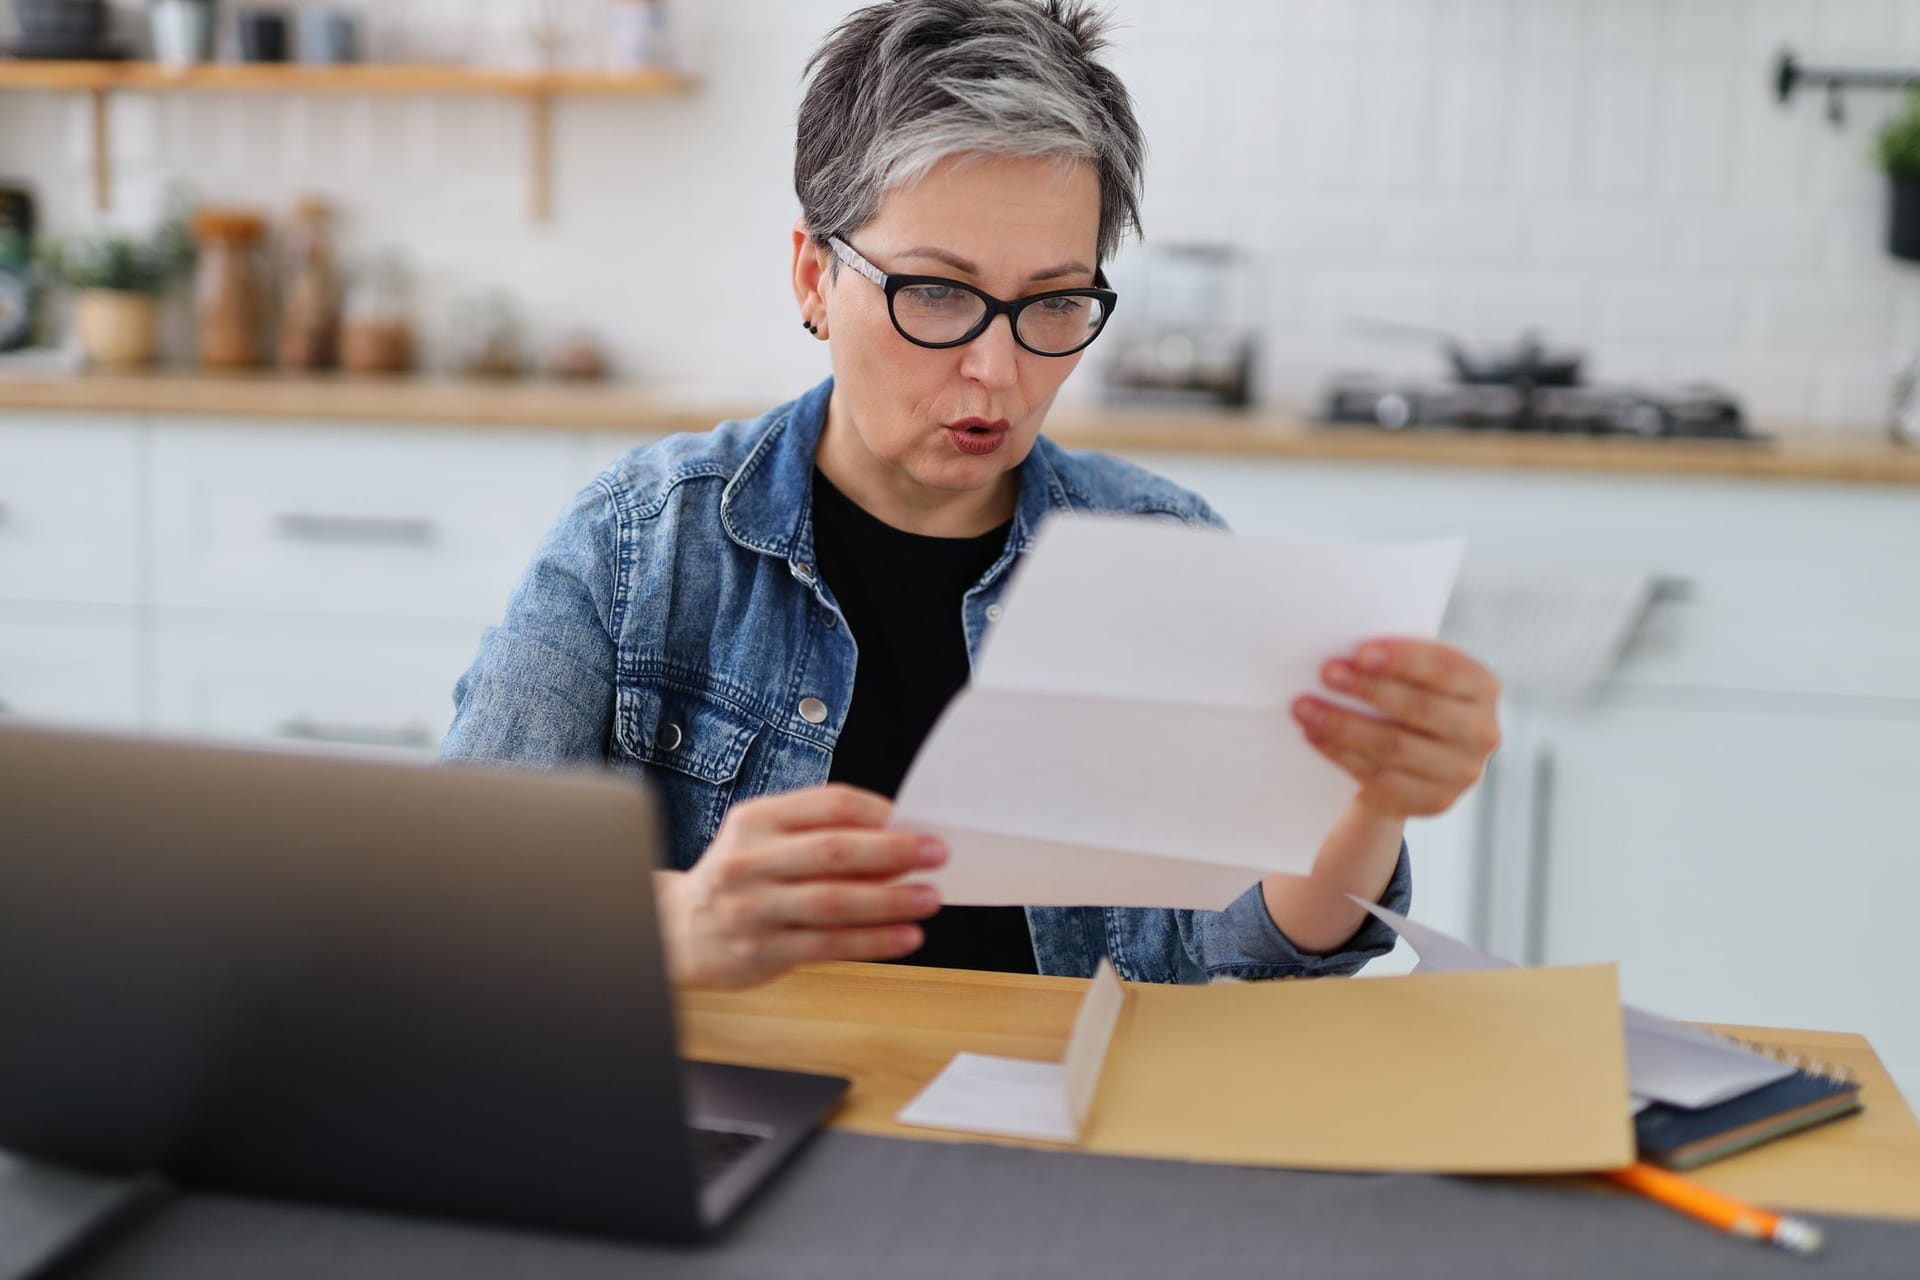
(1837,1073)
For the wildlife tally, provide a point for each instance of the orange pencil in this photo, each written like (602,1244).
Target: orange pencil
(1794,1234)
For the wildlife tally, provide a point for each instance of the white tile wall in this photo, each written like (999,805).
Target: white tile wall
(1614,170)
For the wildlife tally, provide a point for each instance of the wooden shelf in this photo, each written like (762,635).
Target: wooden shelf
(396,78)
(538,88)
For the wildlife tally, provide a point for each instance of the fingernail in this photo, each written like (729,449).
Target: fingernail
(924,897)
(931,853)
(1340,675)
(1309,712)
(907,938)
(1373,657)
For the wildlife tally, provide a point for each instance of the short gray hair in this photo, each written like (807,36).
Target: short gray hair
(901,85)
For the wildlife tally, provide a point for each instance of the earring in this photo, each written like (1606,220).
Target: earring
(810,327)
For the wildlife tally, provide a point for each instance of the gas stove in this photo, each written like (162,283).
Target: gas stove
(1689,411)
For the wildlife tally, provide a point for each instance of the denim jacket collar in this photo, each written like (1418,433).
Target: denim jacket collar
(768,504)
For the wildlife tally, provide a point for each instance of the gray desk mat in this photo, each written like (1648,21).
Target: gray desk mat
(45,1212)
(856,1206)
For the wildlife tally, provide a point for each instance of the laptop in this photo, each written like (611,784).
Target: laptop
(417,988)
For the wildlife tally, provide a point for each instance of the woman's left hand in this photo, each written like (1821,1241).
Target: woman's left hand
(1441,724)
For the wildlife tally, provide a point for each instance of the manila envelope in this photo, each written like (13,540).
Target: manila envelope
(1415,1073)
(1497,1072)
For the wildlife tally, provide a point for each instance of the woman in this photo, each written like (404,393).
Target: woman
(765,619)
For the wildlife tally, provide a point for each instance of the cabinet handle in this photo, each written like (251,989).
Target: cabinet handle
(306,729)
(1671,590)
(1539,857)
(388,531)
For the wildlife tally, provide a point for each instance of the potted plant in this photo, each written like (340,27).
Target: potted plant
(1899,151)
(117,282)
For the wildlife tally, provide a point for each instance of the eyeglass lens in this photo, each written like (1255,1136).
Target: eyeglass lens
(938,313)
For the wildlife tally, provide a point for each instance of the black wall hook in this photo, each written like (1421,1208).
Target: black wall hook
(1790,75)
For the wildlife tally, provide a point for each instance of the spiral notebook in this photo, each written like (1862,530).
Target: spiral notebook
(1686,1138)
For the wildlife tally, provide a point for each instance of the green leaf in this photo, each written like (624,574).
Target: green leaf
(122,263)
(1899,141)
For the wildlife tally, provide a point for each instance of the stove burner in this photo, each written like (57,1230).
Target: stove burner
(1697,411)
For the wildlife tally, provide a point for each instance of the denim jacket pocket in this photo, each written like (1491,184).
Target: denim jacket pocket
(691,746)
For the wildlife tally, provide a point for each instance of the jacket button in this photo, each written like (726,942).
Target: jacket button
(813,711)
(993,612)
(671,738)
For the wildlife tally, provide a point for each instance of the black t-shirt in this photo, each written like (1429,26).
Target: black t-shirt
(902,594)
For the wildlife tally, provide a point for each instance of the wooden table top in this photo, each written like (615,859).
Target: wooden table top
(891,1029)
(624,409)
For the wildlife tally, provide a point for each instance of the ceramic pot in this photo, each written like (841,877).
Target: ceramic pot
(1903,234)
(263,35)
(182,32)
(61,22)
(328,37)
(115,329)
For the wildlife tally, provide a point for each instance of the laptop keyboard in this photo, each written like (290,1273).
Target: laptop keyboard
(717,1150)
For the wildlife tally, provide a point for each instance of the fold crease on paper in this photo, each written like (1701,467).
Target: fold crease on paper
(1125,740)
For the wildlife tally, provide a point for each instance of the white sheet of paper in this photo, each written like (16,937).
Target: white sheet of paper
(1671,1062)
(1018,1098)
(1007,1097)
(1667,1061)
(1126,739)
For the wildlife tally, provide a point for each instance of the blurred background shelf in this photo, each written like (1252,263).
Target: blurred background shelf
(537,88)
(151,77)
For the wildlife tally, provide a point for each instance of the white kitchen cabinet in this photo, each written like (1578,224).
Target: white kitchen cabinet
(1744,862)
(330,687)
(70,509)
(350,521)
(83,669)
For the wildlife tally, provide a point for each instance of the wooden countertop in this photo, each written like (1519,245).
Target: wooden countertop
(891,1029)
(626,409)
(1805,461)
(539,405)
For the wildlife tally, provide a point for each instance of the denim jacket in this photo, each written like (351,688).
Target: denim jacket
(673,624)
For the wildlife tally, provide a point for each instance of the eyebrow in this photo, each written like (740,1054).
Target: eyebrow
(962,265)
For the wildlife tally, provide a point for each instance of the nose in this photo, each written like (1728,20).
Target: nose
(993,358)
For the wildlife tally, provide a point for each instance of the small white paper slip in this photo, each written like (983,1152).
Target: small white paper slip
(1667,1061)
(1126,740)
(1019,1098)
(1009,1097)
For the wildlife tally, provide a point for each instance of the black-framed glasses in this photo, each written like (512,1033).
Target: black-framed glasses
(933,311)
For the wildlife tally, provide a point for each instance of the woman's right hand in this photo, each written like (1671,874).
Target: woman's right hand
(795,879)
